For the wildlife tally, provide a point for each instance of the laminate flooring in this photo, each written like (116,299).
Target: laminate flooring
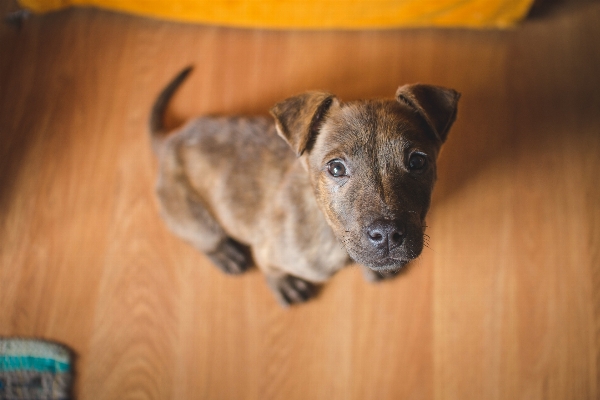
(503,304)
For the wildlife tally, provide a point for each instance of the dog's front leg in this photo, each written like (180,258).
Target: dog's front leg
(289,289)
(374,276)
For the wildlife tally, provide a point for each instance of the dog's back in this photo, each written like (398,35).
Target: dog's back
(225,163)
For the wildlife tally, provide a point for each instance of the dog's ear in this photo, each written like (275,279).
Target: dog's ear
(437,105)
(299,118)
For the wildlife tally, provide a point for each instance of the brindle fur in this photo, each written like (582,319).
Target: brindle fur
(232,188)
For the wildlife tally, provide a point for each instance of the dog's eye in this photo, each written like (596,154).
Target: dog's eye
(417,161)
(336,168)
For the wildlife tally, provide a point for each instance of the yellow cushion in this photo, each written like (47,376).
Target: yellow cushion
(315,14)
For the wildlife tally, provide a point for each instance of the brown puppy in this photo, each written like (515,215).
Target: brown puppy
(349,181)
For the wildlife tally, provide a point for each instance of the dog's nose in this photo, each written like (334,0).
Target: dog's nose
(386,234)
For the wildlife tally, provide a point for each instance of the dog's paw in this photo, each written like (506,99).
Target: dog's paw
(231,257)
(290,290)
(375,276)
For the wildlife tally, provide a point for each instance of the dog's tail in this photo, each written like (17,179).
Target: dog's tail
(157,128)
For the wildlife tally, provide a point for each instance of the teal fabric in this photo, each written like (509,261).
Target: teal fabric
(30,363)
(32,369)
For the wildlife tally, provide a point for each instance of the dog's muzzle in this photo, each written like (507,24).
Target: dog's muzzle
(388,245)
(386,235)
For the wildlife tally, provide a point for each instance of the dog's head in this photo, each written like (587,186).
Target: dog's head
(372,165)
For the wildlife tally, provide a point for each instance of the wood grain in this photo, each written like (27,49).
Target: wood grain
(505,304)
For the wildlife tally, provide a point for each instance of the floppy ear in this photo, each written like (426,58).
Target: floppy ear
(299,118)
(437,105)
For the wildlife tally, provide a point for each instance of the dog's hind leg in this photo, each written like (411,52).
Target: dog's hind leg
(188,218)
(230,256)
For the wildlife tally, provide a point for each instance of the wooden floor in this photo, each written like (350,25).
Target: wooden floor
(504,305)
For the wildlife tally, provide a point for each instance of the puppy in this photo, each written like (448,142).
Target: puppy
(324,184)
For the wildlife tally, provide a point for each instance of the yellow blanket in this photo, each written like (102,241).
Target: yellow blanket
(315,14)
